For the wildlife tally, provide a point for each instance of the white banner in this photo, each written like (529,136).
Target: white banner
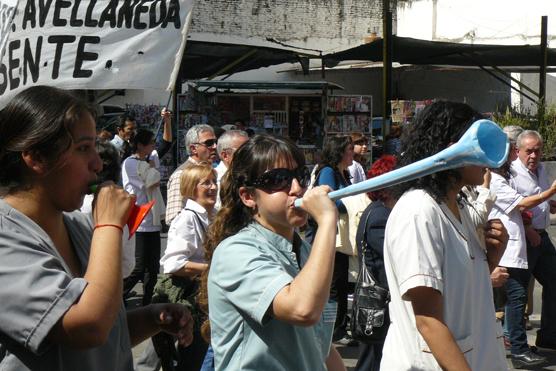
(94,44)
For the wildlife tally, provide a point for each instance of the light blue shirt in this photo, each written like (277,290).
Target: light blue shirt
(246,272)
(117,142)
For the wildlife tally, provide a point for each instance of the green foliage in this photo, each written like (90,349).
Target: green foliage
(547,128)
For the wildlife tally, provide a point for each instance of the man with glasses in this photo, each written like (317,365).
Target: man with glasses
(228,143)
(200,143)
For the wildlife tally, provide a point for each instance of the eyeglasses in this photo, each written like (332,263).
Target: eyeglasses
(207,184)
(208,142)
(281,179)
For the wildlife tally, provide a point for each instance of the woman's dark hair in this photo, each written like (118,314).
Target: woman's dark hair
(251,160)
(333,151)
(111,166)
(143,137)
(39,120)
(433,129)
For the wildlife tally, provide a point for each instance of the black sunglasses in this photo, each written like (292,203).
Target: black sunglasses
(281,179)
(208,142)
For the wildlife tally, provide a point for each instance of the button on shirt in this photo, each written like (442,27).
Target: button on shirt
(247,271)
(185,238)
(505,208)
(528,183)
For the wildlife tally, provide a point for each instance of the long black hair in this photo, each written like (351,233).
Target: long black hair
(38,119)
(433,129)
(332,153)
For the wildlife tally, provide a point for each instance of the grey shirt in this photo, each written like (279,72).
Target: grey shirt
(37,288)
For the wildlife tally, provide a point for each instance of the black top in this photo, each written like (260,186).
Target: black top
(376,224)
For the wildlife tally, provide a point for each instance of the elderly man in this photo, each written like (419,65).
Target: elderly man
(200,142)
(529,178)
(228,143)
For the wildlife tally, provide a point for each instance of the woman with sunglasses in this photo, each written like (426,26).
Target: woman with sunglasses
(184,260)
(267,290)
(140,178)
(356,169)
(337,156)
(438,272)
(60,270)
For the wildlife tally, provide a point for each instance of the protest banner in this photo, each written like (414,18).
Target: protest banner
(96,44)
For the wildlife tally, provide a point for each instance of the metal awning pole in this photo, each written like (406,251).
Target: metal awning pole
(386,63)
(542,71)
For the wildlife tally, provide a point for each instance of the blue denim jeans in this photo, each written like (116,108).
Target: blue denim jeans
(542,264)
(208,363)
(514,322)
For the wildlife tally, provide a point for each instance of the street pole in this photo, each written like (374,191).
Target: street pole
(386,63)
(542,70)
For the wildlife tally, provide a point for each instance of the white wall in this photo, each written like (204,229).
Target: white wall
(508,22)
(478,21)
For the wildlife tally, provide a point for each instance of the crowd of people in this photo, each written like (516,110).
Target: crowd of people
(248,281)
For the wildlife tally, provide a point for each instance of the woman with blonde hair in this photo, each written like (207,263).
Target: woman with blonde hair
(183,261)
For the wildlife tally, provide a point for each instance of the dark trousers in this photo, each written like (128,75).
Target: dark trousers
(147,264)
(369,357)
(516,292)
(181,359)
(339,293)
(542,264)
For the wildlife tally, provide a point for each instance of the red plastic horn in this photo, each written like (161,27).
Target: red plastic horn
(136,216)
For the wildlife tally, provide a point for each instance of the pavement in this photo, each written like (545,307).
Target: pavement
(350,354)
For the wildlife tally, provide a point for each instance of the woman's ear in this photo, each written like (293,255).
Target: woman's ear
(35,162)
(247,197)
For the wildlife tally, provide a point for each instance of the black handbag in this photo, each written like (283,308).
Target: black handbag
(369,314)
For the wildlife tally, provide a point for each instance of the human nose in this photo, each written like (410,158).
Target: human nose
(295,187)
(96,164)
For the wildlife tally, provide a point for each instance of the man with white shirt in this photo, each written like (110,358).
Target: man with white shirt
(200,142)
(126,130)
(529,178)
(228,143)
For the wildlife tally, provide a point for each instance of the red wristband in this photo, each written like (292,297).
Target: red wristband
(109,225)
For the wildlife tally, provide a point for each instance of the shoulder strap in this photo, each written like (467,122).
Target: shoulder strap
(364,249)
(364,238)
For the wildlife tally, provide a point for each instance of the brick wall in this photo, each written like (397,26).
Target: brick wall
(319,24)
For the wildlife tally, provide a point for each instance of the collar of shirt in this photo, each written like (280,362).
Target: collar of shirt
(193,205)
(117,140)
(274,239)
(520,168)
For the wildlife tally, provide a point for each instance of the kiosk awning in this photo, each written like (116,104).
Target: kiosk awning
(407,50)
(259,85)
